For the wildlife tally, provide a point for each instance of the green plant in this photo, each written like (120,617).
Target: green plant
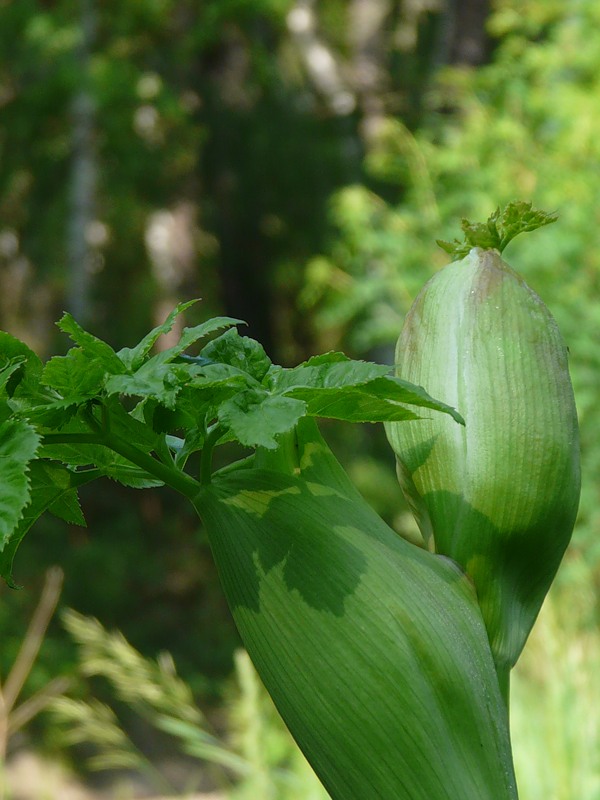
(375,651)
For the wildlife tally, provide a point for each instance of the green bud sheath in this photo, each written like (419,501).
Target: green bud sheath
(500,494)
(373,650)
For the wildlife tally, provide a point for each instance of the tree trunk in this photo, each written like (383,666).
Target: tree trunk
(82,198)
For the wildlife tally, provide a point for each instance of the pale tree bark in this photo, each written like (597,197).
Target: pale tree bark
(82,195)
(171,243)
(467,39)
(322,65)
(367,20)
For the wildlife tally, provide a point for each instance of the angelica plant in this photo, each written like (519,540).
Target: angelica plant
(388,662)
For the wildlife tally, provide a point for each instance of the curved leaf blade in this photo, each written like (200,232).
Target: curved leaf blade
(373,650)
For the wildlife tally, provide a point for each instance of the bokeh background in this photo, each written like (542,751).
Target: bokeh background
(292,163)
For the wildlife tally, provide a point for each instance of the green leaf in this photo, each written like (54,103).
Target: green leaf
(54,414)
(520,217)
(108,463)
(133,357)
(68,508)
(381,399)
(158,377)
(337,387)
(324,374)
(53,488)
(238,351)
(127,426)
(501,228)
(352,404)
(18,445)
(28,376)
(373,650)
(76,376)
(95,349)
(81,374)
(190,336)
(8,370)
(257,418)
(151,380)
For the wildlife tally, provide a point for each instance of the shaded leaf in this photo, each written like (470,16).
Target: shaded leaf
(54,488)
(373,650)
(18,445)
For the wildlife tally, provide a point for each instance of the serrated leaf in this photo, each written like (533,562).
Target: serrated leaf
(238,351)
(190,336)
(55,414)
(320,374)
(77,376)
(161,378)
(125,425)
(8,370)
(330,357)
(397,390)
(18,445)
(379,400)
(159,382)
(23,384)
(13,348)
(110,464)
(257,418)
(500,228)
(373,650)
(54,488)
(133,357)
(351,404)
(520,217)
(68,508)
(456,249)
(95,349)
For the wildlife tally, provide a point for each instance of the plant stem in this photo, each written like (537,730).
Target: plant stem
(212,437)
(173,477)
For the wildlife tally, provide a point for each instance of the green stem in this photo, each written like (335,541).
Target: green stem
(212,437)
(175,478)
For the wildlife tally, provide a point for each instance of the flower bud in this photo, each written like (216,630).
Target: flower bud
(499,495)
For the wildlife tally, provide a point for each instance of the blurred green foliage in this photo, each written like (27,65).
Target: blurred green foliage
(254,756)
